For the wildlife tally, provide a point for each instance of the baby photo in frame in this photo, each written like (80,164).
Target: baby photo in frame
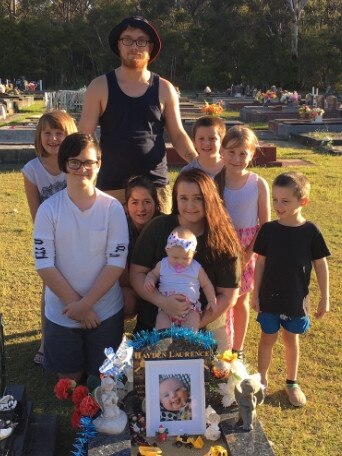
(175,396)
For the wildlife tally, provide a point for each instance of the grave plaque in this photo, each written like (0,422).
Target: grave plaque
(171,349)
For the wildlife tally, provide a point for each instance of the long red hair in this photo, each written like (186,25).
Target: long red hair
(220,235)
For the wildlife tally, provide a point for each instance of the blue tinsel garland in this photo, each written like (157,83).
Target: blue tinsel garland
(145,338)
(87,433)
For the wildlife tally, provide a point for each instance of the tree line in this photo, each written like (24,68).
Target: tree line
(294,44)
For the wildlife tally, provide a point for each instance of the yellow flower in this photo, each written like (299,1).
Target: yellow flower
(227,356)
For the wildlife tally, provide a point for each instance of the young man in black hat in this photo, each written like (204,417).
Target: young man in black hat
(132,105)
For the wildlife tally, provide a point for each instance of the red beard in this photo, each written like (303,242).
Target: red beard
(136,63)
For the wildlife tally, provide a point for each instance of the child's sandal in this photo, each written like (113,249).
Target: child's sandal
(295,394)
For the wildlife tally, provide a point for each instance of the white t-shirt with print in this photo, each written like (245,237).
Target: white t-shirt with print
(80,244)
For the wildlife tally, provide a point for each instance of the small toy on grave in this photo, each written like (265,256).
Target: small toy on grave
(138,439)
(248,393)
(6,428)
(212,419)
(7,403)
(217,450)
(162,434)
(189,442)
(137,425)
(149,451)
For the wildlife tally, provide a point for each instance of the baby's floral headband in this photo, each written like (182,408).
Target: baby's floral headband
(175,241)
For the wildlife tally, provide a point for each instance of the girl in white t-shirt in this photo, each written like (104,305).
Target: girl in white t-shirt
(43,178)
(247,200)
(179,273)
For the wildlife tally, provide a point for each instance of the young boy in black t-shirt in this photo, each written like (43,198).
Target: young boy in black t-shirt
(287,248)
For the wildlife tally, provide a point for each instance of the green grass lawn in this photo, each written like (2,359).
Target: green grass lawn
(314,429)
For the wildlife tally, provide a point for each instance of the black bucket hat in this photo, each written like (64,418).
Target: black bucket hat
(136,22)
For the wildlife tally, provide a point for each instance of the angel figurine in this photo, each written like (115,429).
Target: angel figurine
(112,419)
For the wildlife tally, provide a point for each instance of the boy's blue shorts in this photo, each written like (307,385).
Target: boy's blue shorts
(270,323)
(71,350)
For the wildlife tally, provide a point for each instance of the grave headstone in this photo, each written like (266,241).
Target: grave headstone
(331,103)
(320,101)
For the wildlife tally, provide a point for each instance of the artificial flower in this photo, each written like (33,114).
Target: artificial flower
(222,365)
(311,113)
(88,406)
(227,356)
(76,418)
(289,97)
(212,109)
(64,388)
(315,112)
(304,110)
(79,393)
(269,95)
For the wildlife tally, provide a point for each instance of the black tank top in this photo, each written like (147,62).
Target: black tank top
(132,140)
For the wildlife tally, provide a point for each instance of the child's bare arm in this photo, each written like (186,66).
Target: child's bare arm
(258,274)
(152,278)
(208,289)
(264,213)
(32,196)
(322,274)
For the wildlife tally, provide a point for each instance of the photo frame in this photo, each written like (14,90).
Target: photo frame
(175,396)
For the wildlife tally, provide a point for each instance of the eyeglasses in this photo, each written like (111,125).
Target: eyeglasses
(129,42)
(73,163)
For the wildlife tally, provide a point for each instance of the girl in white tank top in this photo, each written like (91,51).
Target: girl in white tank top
(246,197)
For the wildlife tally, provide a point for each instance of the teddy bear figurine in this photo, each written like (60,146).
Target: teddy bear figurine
(248,393)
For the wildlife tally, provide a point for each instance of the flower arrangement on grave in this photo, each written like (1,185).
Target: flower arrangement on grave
(117,365)
(32,86)
(289,97)
(212,109)
(316,112)
(263,97)
(231,371)
(307,112)
(116,377)
(304,111)
(84,403)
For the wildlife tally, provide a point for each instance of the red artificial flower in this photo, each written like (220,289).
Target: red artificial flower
(88,406)
(79,393)
(76,418)
(64,388)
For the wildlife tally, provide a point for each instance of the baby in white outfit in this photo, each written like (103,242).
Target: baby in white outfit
(179,273)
